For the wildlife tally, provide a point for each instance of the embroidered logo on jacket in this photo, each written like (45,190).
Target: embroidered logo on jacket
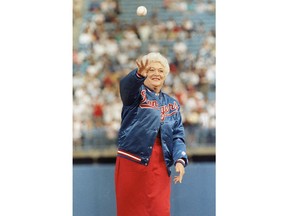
(166,110)
(145,103)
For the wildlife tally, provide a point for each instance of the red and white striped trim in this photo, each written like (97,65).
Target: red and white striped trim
(139,76)
(129,155)
(181,161)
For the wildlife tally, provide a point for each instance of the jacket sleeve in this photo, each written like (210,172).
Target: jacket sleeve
(179,147)
(129,87)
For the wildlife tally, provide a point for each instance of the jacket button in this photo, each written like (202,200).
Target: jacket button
(146,164)
(150,147)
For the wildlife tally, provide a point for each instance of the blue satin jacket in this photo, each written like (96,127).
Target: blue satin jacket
(144,114)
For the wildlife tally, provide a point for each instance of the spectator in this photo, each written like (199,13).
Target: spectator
(106,53)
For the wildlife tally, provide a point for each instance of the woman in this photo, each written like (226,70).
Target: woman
(150,141)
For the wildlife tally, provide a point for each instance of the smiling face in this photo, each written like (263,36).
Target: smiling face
(155,76)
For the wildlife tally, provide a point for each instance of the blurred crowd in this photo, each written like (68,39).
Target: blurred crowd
(106,51)
(199,6)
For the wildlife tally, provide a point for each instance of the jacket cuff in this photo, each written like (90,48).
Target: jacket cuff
(182,161)
(139,76)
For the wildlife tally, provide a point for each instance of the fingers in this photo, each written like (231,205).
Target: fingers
(146,63)
(142,67)
(176,179)
(181,177)
(179,168)
(146,69)
(142,64)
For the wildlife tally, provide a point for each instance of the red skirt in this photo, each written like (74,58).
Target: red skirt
(143,190)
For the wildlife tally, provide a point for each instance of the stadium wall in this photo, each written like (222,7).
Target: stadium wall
(93,191)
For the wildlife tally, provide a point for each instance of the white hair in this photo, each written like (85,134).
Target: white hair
(157,57)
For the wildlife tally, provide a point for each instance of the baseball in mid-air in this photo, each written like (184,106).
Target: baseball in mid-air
(141,11)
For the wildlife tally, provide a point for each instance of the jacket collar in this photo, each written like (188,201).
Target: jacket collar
(150,90)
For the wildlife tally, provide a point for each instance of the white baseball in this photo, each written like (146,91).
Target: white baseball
(141,11)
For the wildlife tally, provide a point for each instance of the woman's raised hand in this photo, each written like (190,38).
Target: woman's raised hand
(143,67)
